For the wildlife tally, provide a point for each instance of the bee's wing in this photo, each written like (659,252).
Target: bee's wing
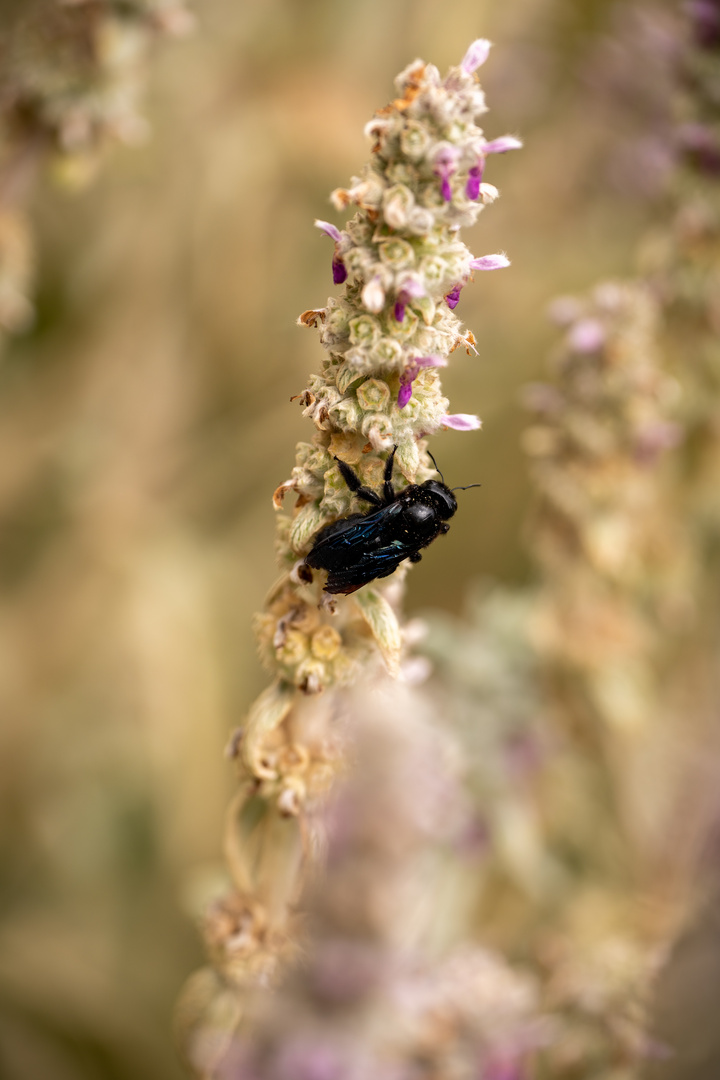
(359,550)
(366,567)
(347,543)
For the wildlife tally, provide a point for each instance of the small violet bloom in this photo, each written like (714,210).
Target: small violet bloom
(461,422)
(484,262)
(410,290)
(476,55)
(490,262)
(502,144)
(446,163)
(452,298)
(411,373)
(475,174)
(339,271)
(474,180)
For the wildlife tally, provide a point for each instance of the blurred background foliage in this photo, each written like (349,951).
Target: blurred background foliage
(145,419)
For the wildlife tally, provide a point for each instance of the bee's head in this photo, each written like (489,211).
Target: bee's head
(442,498)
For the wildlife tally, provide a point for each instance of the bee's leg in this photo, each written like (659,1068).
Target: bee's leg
(415,557)
(388,489)
(353,482)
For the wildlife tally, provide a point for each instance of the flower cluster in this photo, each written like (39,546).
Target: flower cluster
(403,265)
(602,532)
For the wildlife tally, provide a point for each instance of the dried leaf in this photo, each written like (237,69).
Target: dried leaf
(281,491)
(311,316)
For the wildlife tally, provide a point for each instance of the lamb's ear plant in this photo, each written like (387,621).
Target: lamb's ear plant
(386,336)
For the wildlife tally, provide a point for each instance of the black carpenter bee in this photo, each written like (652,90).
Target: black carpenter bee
(361,547)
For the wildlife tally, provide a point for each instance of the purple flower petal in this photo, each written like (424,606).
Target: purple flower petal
(330,230)
(490,262)
(412,288)
(411,373)
(446,161)
(476,55)
(474,180)
(339,270)
(462,422)
(446,157)
(405,393)
(452,298)
(429,361)
(502,145)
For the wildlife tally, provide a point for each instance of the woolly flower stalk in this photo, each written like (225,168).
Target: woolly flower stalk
(386,337)
(403,265)
(616,575)
(604,534)
(558,695)
(400,258)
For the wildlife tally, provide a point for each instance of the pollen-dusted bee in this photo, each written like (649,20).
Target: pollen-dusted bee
(361,547)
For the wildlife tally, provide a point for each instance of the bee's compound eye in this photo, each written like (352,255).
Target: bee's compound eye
(443,498)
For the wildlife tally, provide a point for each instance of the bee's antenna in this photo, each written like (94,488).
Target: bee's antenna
(466,487)
(436,465)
